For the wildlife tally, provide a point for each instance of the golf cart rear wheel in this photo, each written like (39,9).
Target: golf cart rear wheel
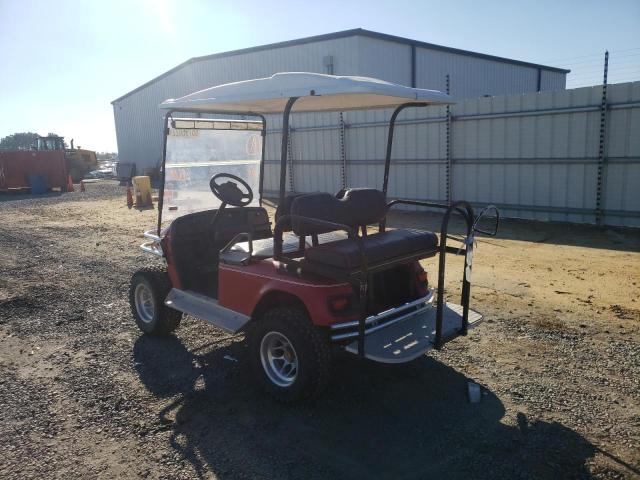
(147,291)
(290,357)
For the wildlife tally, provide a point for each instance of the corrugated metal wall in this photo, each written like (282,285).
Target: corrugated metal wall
(139,121)
(385,60)
(535,155)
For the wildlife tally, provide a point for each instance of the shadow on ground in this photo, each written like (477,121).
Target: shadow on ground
(27,195)
(376,421)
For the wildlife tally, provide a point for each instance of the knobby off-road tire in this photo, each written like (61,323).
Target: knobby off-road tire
(310,348)
(147,291)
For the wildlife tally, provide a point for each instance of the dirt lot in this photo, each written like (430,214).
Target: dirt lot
(84,395)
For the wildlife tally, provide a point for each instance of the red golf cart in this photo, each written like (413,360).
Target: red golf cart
(330,273)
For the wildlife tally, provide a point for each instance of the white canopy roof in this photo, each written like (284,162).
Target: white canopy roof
(316,92)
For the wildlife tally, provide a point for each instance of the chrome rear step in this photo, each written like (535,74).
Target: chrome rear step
(412,337)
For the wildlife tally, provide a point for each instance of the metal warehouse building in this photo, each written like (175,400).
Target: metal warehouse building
(353,52)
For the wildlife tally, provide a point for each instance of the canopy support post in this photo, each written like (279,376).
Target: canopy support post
(165,132)
(263,133)
(284,151)
(392,125)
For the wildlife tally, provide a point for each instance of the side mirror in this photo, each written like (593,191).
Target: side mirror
(495,218)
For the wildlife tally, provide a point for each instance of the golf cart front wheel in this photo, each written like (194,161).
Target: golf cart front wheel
(290,357)
(147,291)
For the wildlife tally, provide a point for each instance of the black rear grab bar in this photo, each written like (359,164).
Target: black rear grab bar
(466,210)
(461,207)
(484,211)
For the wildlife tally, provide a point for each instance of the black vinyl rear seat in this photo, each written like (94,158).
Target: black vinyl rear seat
(344,254)
(356,208)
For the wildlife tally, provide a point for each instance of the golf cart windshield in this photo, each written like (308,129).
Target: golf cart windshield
(191,146)
(198,149)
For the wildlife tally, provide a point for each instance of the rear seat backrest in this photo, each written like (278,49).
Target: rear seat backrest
(367,205)
(285,208)
(358,206)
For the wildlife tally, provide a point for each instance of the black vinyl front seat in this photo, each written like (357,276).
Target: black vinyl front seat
(357,208)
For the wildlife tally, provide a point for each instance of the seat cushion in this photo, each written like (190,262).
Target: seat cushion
(344,254)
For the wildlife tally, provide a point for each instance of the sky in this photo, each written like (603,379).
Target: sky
(62,62)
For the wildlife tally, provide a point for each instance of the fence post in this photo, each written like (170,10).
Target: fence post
(448,145)
(343,151)
(290,159)
(602,145)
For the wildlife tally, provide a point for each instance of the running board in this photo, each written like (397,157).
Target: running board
(411,338)
(207,309)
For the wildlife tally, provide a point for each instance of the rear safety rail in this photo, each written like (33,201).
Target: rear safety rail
(485,210)
(466,211)
(358,329)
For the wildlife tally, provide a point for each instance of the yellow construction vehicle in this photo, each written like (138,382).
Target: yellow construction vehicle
(79,161)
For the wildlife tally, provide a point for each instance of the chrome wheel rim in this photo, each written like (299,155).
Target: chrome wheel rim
(279,359)
(144,303)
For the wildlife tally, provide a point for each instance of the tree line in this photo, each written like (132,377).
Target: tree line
(23,141)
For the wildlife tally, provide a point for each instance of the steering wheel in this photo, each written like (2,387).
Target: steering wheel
(228,192)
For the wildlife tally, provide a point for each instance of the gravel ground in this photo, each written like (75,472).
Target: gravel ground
(85,395)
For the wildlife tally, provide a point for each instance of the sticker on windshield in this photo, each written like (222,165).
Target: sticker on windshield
(183,132)
(176,174)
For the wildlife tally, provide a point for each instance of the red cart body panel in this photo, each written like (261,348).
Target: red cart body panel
(16,166)
(240,288)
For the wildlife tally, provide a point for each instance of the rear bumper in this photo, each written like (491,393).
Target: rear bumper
(373,323)
(404,333)
(407,340)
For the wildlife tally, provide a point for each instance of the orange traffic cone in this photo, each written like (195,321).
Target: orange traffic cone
(69,184)
(82,185)
(129,197)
